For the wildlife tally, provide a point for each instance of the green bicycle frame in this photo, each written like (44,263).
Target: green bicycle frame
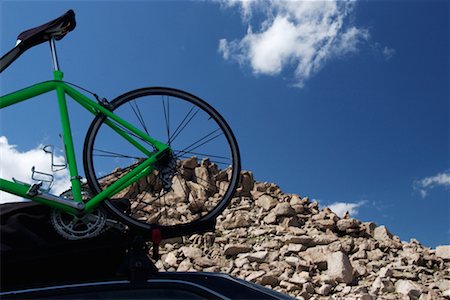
(113,121)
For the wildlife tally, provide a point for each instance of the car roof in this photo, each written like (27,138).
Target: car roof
(164,285)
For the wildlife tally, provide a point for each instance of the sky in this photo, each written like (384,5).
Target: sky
(344,102)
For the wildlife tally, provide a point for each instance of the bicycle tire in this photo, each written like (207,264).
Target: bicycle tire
(209,180)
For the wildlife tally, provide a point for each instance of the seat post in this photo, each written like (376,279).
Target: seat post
(54,55)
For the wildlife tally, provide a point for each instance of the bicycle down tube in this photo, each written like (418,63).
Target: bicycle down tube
(114,122)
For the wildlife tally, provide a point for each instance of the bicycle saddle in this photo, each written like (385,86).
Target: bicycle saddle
(56,29)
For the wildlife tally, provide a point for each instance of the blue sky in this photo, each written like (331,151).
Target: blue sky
(347,103)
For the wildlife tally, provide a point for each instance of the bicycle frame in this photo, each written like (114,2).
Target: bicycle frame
(76,206)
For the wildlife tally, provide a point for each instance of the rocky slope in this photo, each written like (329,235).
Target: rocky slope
(286,242)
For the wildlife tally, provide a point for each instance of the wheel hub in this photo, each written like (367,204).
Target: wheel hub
(167,171)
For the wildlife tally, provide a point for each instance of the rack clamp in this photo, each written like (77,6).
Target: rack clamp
(136,265)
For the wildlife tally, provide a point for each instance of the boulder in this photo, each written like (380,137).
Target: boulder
(339,267)
(255,275)
(381,233)
(234,249)
(284,210)
(259,256)
(269,280)
(191,252)
(325,289)
(382,285)
(184,266)
(171,259)
(407,288)
(443,252)
(239,219)
(266,202)
(347,224)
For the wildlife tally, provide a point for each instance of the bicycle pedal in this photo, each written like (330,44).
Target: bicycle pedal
(34,189)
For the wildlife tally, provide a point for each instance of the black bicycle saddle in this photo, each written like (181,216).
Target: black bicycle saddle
(56,29)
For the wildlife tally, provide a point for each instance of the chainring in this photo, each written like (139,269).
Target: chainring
(75,228)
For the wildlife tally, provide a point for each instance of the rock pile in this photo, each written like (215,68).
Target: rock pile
(196,189)
(285,242)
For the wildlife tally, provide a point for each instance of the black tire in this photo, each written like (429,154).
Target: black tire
(199,191)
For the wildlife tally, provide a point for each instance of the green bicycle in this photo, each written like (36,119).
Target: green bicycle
(169,186)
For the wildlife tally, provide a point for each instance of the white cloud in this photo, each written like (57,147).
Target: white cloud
(17,164)
(427,183)
(388,52)
(302,34)
(340,208)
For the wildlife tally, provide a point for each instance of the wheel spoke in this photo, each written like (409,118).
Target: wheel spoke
(181,127)
(181,179)
(167,117)
(194,145)
(132,134)
(114,154)
(211,160)
(208,184)
(201,154)
(138,114)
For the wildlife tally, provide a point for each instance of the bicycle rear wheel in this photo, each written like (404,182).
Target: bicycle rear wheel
(194,185)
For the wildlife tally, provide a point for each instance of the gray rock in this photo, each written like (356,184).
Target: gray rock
(234,249)
(324,239)
(266,202)
(239,219)
(292,260)
(443,252)
(382,285)
(360,254)
(289,287)
(339,267)
(360,268)
(302,239)
(385,272)
(247,183)
(204,262)
(270,218)
(259,256)
(381,233)
(407,288)
(325,289)
(284,210)
(346,224)
(375,254)
(291,222)
(240,262)
(295,248)
(171,259)
(299,209)
(269,280)
(184,266)
(443,284)
(317,255)
(300,277)
(325,224)
(190,163)
(295,200)
(201,176)
(255,275)
(270,244)
(191,252)
(368,227)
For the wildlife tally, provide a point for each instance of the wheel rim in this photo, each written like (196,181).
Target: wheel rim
(205,156)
